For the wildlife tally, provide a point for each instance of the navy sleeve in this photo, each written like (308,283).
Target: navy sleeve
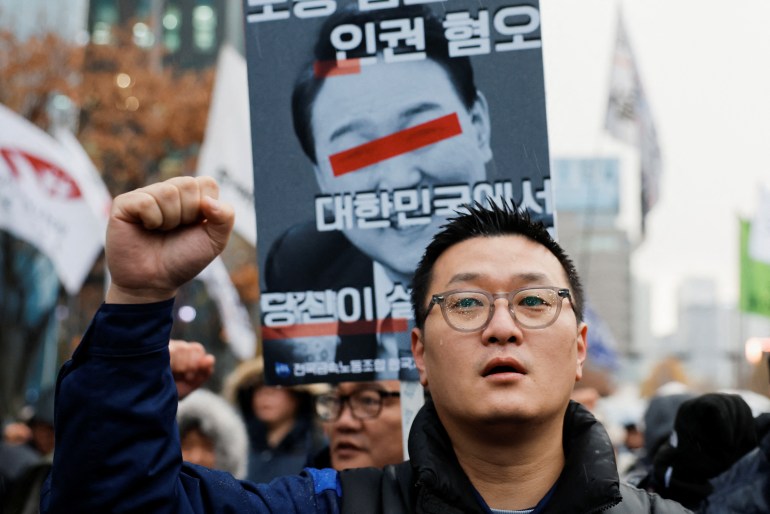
(117,442)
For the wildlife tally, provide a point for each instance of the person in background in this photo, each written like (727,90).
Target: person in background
(363,423)
(630,447)
(658,423)
(37,435)
(280,421)
(15,459)
(745,487)
(710,433)
(212,434)
(37,432)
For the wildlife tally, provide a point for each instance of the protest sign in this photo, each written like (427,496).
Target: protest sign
(372,122)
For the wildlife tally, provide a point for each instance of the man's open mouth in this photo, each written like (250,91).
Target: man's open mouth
(499,366)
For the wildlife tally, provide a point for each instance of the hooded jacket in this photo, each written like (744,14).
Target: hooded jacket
(295,449)
(217,420)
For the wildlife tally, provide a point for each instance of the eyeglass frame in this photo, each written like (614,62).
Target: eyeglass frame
(438,299)
(346,398)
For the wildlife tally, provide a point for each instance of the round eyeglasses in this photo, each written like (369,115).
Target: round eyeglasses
(471,310)
(364,404)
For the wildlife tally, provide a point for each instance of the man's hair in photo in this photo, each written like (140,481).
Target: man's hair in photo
(309,81)
(481,221)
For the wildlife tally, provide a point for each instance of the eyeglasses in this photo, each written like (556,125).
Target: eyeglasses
(472,310)
(364,404)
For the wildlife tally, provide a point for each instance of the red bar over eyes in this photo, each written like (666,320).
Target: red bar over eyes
(323,69)
(395,144)
(390,325)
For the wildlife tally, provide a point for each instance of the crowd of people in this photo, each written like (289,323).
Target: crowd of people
(499,431)
(499,341)
(708,451)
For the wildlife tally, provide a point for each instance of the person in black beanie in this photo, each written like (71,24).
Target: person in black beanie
(745,487)
(711,432)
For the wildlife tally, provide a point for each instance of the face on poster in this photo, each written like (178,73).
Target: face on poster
(372,123)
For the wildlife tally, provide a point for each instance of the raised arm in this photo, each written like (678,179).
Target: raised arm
(117,442)
(117,446)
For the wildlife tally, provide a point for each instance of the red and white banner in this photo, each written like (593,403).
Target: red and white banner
(90,181)
(46,199)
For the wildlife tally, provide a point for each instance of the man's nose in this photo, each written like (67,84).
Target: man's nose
(502,328)
(400,172)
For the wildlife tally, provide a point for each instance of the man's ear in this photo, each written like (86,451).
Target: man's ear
(581,339)
(418,352)
(480,118)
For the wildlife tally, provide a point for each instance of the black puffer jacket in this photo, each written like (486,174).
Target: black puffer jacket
(434,483)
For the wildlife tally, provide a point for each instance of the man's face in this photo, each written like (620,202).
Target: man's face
(503,374)
(383,100)
(358,443)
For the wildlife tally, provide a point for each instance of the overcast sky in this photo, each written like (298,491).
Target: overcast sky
(705,66)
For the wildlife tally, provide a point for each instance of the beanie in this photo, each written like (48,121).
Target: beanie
(711,432)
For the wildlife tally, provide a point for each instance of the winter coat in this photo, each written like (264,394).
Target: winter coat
(217,420)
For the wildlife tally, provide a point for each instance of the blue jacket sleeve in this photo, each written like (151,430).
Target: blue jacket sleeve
(117,442)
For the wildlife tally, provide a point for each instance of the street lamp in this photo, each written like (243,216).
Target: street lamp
(755,347)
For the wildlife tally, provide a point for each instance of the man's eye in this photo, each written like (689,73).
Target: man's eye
(465,303)
(368,400)
(532,301)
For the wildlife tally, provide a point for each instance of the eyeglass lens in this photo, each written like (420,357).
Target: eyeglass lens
(364,404)
(470,310)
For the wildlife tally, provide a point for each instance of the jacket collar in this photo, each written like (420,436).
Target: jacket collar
(589,481)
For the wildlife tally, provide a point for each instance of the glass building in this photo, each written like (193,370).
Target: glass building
(191,31)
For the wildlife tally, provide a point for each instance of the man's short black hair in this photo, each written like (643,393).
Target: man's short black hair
(309,82)
(489,221)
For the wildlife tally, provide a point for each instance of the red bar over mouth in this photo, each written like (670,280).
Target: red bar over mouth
(395,144)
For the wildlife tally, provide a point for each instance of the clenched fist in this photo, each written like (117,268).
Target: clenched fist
(161,236)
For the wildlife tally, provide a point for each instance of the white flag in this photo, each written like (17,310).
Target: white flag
(42,199)
(759,237)
(239,332)
(92,186)
(226,150)
(625,94)
(629,117)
